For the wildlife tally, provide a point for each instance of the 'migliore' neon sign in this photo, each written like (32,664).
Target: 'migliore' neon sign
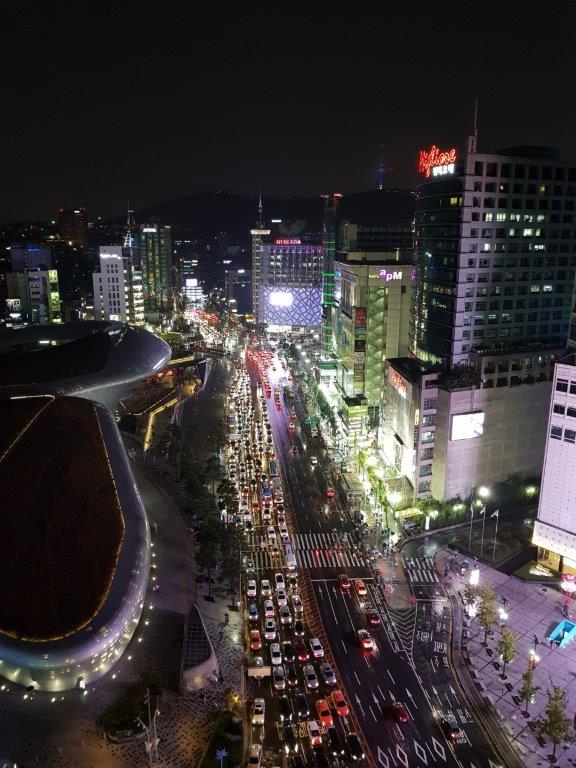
(436,161)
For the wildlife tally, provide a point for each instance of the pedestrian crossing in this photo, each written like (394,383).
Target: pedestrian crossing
(310,558)
(420,570)
(305,541)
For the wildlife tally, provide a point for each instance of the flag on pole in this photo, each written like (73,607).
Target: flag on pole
(496,513)
(483,510)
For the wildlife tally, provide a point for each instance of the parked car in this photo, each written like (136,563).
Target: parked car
(258,712)
(316,648)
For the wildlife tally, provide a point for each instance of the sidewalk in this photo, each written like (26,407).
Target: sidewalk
(529,613)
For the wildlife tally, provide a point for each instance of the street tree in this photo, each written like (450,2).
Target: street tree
(527,688)
(208,548)
(488,611)
(507,647)
(554,722)
(470,595)
(214,470)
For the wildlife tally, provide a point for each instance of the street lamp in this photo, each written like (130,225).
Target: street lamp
(483,492)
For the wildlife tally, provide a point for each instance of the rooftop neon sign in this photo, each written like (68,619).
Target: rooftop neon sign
(436,161)
(288,241)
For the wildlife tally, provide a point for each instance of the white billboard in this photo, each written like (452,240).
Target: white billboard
(467,425)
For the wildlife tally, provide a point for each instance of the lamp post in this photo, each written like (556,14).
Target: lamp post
(495,514)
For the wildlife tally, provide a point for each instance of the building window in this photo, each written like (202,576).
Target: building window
(556,433)
(570,412)
(572,388)
(559,409)
(426,469)
(570,435)
(430,404)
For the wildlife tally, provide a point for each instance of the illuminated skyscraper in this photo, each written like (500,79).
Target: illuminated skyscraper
(258,234)
(155,253)
(118,287)
(73,225)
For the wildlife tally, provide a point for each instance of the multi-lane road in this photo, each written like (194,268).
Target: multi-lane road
(410,661)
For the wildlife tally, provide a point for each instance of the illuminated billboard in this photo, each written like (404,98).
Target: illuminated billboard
(467,425)
(398,382)
(291,304)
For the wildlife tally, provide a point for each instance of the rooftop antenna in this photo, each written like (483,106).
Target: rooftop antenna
(260,209)
(476,117)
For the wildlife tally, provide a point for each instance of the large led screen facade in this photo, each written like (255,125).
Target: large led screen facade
(294,305)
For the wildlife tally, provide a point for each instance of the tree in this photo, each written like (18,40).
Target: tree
(554,723)
(527,688)
(214,470)
(488,613)
(470,595)
(208,548)
(507,647)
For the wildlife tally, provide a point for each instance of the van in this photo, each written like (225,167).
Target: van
(289,557)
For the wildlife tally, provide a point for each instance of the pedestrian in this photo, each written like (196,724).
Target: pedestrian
(226,618)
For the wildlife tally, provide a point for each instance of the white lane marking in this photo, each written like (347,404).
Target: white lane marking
(357,678)
(420,752)
(382,758)
(432,755)
(332,606)
(438,748)
(390,676)
(381,694)
(392,756)
(402,756)
(344,646)
(410,711)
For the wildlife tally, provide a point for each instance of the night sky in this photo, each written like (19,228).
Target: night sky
(99,105)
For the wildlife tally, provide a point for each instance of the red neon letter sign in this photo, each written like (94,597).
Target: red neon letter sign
(435,157)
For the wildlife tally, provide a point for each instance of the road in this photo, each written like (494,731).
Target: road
(408,665)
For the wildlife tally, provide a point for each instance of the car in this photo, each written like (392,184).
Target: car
(270,629)
(275,653)
(281,598)
(365,640)
(314,733)
(285,615)
(294,450)
(302,652)
(253,612)
(293,581)
(316,648)
(245,491)
(345,583)
(279,678)
(255,640)
(279,508)
(320,759)
(400,712)
(310,677)
(281,520)
(284,532)
(269,609)
(323,712)
(265,588)
(266,514)
(450,730)
(258,712)
(297,604)
(354,747)
(285,711)
(298,628)
(360,587)
(251,588)
(254,756)
(302,709)
(288,651)
(271,533)
(330,492)
(279,581)
(291,744)
(328,673)
(336,743)
(339,703)
(373,617)
(291,675)
(313,461)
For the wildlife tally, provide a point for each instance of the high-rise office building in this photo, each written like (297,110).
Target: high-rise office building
(495,252)
(155,252)
(118,291)
(73,225)
(238,290)
(258,234)
(30,256)
(329,232)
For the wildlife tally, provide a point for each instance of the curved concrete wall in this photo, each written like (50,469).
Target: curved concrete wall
(91,652)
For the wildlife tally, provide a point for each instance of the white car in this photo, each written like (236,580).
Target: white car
(258,712)
(269,609)
(316,648)
(255,756)
(281,598)
(271,533)
(310,677)
(285,615)
(297,604)
(284,532)
(270,629)
(279,582)
(275,654)
(279,678)
(265,588)
(313,460)
(251,588)
(266,515)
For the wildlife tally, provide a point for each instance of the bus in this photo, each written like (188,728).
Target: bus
(353,488)
(273,468)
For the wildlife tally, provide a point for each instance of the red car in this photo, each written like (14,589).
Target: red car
(302,652)
(255,640)
(400,712)
(372,618)
(330,493)
(339,703)
(324,714)
(360,587)
(344,581)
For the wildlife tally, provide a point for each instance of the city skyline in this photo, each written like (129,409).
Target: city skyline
(147,113)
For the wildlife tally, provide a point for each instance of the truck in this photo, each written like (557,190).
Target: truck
(276,484)
(273,468)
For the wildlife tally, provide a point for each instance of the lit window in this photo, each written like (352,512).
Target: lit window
(500,217)
(485,246)
(527,232)
(534,289)
(547,288)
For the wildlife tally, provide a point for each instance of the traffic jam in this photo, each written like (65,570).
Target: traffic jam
(297,708)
